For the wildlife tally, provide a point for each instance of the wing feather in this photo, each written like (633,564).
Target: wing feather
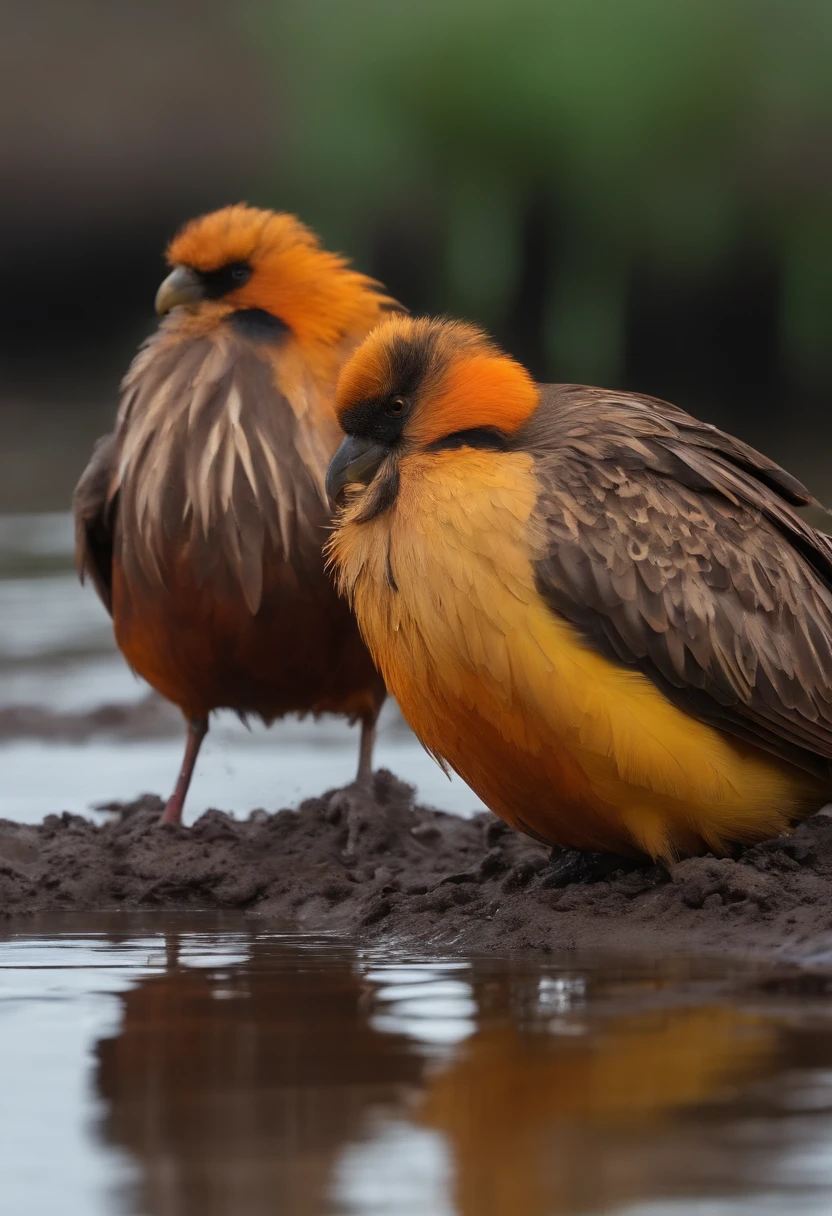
(94,507)
(211,464)
(677,551)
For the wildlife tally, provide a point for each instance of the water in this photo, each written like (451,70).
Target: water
(203,1066)
(57,651)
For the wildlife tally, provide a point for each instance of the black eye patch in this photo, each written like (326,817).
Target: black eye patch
(218,283)
(370,420)
(409,360)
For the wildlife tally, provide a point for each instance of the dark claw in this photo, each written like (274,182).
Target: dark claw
(571,866)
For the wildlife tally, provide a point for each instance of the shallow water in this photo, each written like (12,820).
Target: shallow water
(197,1064)
(57,651)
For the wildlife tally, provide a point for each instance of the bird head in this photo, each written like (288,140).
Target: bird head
(270,267)
(415,385)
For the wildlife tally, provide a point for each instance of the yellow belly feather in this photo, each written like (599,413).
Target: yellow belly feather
(552,736)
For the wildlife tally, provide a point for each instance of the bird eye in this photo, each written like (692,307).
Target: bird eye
(395,406)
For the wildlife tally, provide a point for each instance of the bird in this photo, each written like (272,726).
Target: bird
(201,518)
(607,617)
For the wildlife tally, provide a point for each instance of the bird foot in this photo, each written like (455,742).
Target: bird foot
(570,866)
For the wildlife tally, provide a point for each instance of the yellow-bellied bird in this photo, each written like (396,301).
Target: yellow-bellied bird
(606,616)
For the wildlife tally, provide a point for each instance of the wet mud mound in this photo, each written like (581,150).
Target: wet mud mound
(384,868)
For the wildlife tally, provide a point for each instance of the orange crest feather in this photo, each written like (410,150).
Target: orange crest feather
(314,292)
(466,380)
(478,390)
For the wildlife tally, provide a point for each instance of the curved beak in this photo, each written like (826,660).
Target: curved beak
(356,461)
(182,286)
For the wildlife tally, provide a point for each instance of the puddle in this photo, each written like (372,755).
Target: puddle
(192,1064)
(57,655)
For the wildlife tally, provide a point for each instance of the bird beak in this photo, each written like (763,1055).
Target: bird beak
(357,460)
(182,286)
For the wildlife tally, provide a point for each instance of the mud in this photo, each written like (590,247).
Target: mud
(383,868)
(150,718)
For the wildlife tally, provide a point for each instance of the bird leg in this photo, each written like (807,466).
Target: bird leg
(197,730)
(350,803)
(365,753)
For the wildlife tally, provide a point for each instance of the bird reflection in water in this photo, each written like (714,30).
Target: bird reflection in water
(563,1115)
(236,1089)
(239,1090)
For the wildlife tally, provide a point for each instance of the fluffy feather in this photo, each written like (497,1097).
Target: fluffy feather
(614,625)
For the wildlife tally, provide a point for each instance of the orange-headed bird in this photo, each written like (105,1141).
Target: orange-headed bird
(606,616)
(201,518)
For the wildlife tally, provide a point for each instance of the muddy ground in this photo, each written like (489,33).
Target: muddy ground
(384,868)
(150,718)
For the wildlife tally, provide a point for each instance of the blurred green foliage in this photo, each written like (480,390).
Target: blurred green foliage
(666,131)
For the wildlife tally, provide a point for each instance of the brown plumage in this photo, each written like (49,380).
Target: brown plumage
(675,549)
(202,517)
(608,617)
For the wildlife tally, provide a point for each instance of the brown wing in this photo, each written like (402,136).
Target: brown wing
(94,509)
(676,550)
(218,465)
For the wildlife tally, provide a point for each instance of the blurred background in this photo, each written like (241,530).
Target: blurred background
(630,192)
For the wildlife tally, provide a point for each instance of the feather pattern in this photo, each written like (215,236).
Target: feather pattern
(202,526)
(677,551)
(213,459)
(95,505)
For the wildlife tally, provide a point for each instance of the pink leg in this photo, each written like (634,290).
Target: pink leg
(197,730)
